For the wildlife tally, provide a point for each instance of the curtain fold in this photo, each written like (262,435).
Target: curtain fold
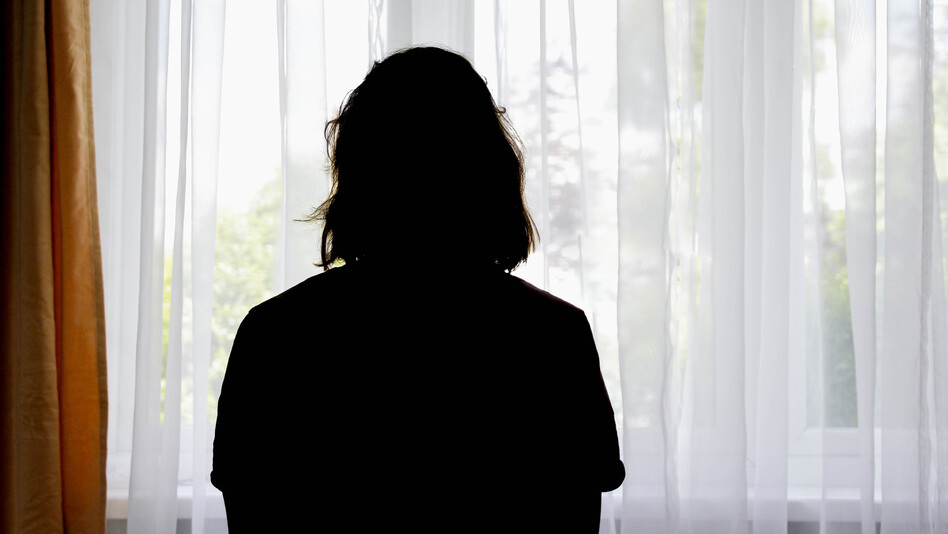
(150,507)
(714,483)
(856,72)
(158,81)
(650,489)
(779,25)
(54,400)
(905,407)
(302,53)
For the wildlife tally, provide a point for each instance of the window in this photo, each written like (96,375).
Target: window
(631,136)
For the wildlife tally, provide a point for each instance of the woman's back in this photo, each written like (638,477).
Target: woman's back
(381,393)
(371,395)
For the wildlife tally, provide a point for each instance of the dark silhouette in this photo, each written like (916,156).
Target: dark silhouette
(419,386)
(421,142)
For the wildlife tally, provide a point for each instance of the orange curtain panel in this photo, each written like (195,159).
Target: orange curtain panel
(52,338)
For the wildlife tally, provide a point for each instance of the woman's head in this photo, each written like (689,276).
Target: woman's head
(425,168)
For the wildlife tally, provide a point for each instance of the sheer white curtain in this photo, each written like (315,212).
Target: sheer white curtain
(741,194)
(157,101)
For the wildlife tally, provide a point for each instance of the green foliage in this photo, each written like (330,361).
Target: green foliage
(165,324)
(698,24)
(244,262)
(245,256)
(839,363)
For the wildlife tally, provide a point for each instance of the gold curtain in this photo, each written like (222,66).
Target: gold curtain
(52,338)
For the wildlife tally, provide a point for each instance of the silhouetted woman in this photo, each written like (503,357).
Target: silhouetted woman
(418,386)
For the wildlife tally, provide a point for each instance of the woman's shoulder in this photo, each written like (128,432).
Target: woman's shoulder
(532,304)
(332,292)
(539,297)
(306,295)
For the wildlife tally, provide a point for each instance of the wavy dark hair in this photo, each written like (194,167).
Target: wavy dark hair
(425,167)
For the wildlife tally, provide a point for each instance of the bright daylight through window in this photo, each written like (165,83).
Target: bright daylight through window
(748,200)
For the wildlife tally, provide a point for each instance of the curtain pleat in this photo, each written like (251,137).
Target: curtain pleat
(167,447)
(714,481)
(754,125)
(207,66)
(932,294)
(81,355)
(544,146)
(54,407)
(772,424)
(32,481)
(904,358)
(500,49)
(118,43)
(642,199)
(856,72)
(152,505)
(303,112)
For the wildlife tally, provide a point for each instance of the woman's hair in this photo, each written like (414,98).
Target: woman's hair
(424,167)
